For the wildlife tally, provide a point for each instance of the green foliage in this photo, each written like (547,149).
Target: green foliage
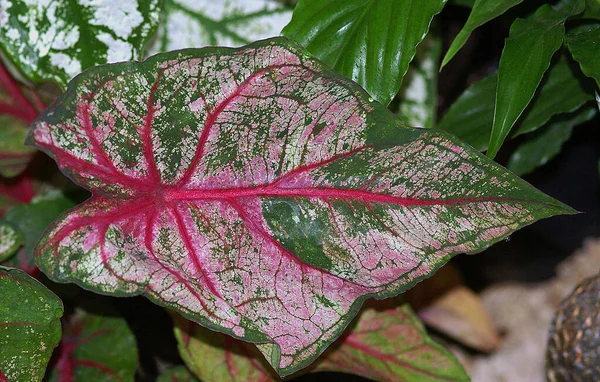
(585,48)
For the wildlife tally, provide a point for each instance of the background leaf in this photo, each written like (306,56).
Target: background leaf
(585,48)
(370,41)
(97,346)
(470,116)
(261,194)
(31,220)
(483,11)
(418,95)
(56,40)
(10,240)
(547,143)
(29,326)
(14,155)
(177,374)
(194,24)
(525,58)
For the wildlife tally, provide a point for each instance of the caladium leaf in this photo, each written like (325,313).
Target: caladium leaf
(15,190)
(55,40)
(178,374)
(10,240)
(370,41)
(385,344)
(198,23)
(97,346)
(261,194)
(14,155)
(29,326)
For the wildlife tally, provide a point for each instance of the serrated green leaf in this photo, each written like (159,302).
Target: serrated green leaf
(261,194)
(418,95)
(483,11)
(29,326)
(470,117)
(10,240)
(547,143)
(178,374)
(369,41)
(97,346)
(56,40)
(526,56)
(31,220)
(585,48)
(385,343)
(194,24)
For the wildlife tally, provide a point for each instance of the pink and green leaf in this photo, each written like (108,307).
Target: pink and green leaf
(261,194)
(10,240)
(385,344)
(177,374)
(29,326)
(97,346)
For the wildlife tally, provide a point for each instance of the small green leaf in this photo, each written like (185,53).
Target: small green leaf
(14,155)
(55,40)
(585,48)
(177,374)
(418,95)
(97,346)
(483,11)
(31,220)
(470,116)
(29,326)
(547,143)
(370,41)
(525,58)
(194,24)
(10,240)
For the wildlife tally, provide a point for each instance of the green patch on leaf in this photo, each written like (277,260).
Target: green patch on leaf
(10,240)
(29,326)
(14,155)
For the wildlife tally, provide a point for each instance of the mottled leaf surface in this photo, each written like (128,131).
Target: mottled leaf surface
(418,95)
(261,194)
(384,344)
(470,116)
(546,143)
(29,326)
(482,12)
(198,23)
(97,346)
(52,40)
(585,48)
(10,240)
(526,56)
(370,41)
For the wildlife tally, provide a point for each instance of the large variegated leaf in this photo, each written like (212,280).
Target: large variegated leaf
(55,40)
(29,326)
(198,23)
(262,194)
(386,343)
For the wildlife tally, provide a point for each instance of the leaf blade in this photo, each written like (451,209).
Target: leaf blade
(371,42)
(583,47)
(187,228)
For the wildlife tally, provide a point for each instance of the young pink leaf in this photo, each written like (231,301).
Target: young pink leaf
(261,194)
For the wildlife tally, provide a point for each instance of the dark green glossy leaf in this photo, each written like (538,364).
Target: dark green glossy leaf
(471,116)
(97,346)
(592,9)
(370,41)
(178,374)
(526,57)
(198,23)
(418,95)
(585,48)
(55,40)
(483,11)
(29,326)
(546,143)
(10,240)
(31,220)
